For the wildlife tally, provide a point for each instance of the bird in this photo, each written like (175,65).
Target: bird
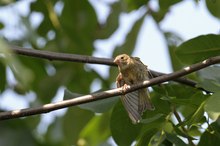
(133,71)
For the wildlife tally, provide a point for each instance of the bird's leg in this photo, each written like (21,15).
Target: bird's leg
(121,83)
(119,80)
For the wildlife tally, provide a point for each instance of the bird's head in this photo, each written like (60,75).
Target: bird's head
(122,61)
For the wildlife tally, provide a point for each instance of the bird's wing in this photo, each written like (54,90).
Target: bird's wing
(130,102)
(150,75)
(136,58)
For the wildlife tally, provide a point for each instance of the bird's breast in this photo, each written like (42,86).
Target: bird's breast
(135,74)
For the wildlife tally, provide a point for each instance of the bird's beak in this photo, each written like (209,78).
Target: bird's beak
(116,61)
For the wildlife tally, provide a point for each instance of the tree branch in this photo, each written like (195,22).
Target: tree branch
(109,93)
(181,80)
(61,56)
(86,59)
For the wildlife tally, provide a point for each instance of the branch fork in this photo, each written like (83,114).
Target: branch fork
(176,76)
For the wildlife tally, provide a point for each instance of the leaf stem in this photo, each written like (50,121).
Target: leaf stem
(176,114)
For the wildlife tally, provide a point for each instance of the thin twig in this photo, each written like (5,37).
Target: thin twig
(87,59)
(109,93)
(176,114)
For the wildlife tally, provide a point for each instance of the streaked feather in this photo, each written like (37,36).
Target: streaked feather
(131,104)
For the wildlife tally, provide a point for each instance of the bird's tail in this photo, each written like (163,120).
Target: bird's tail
(136,103)
(144,101)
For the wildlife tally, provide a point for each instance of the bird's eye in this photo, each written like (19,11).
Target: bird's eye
(122,57)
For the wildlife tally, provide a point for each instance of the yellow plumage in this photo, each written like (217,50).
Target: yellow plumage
(133,71)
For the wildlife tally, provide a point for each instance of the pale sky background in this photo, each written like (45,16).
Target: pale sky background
(186,19)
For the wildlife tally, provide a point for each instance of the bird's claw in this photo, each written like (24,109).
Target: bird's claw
(125,87)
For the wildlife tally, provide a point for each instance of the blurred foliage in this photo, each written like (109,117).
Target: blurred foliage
(199,49)
(213,7)
(72,27)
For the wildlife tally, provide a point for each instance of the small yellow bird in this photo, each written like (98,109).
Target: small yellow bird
(133,71)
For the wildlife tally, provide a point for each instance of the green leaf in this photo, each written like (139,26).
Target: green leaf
(209,84)
(198,98)
(18,131)
(146,137)
(161,108)
(122,129)
(210,79)
(166,4)
(73,123)
(164,9)
(179,132)
(193,111)
(112,22)
(213,7)
(46,24)
(76,78)
(157,139)
(1,26)
(167,127)
(193,105)
(211,137)
(173,40)
(177,101)
(212,72)
(153,121)
(97,130)
(197,115)
(175,140)
(78,20)
(199,48)
(149,120)
(42,84)
(134,5)
(195,130)
(176,93)
(99,106)
(23,75)
(212,106)
(2,77)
